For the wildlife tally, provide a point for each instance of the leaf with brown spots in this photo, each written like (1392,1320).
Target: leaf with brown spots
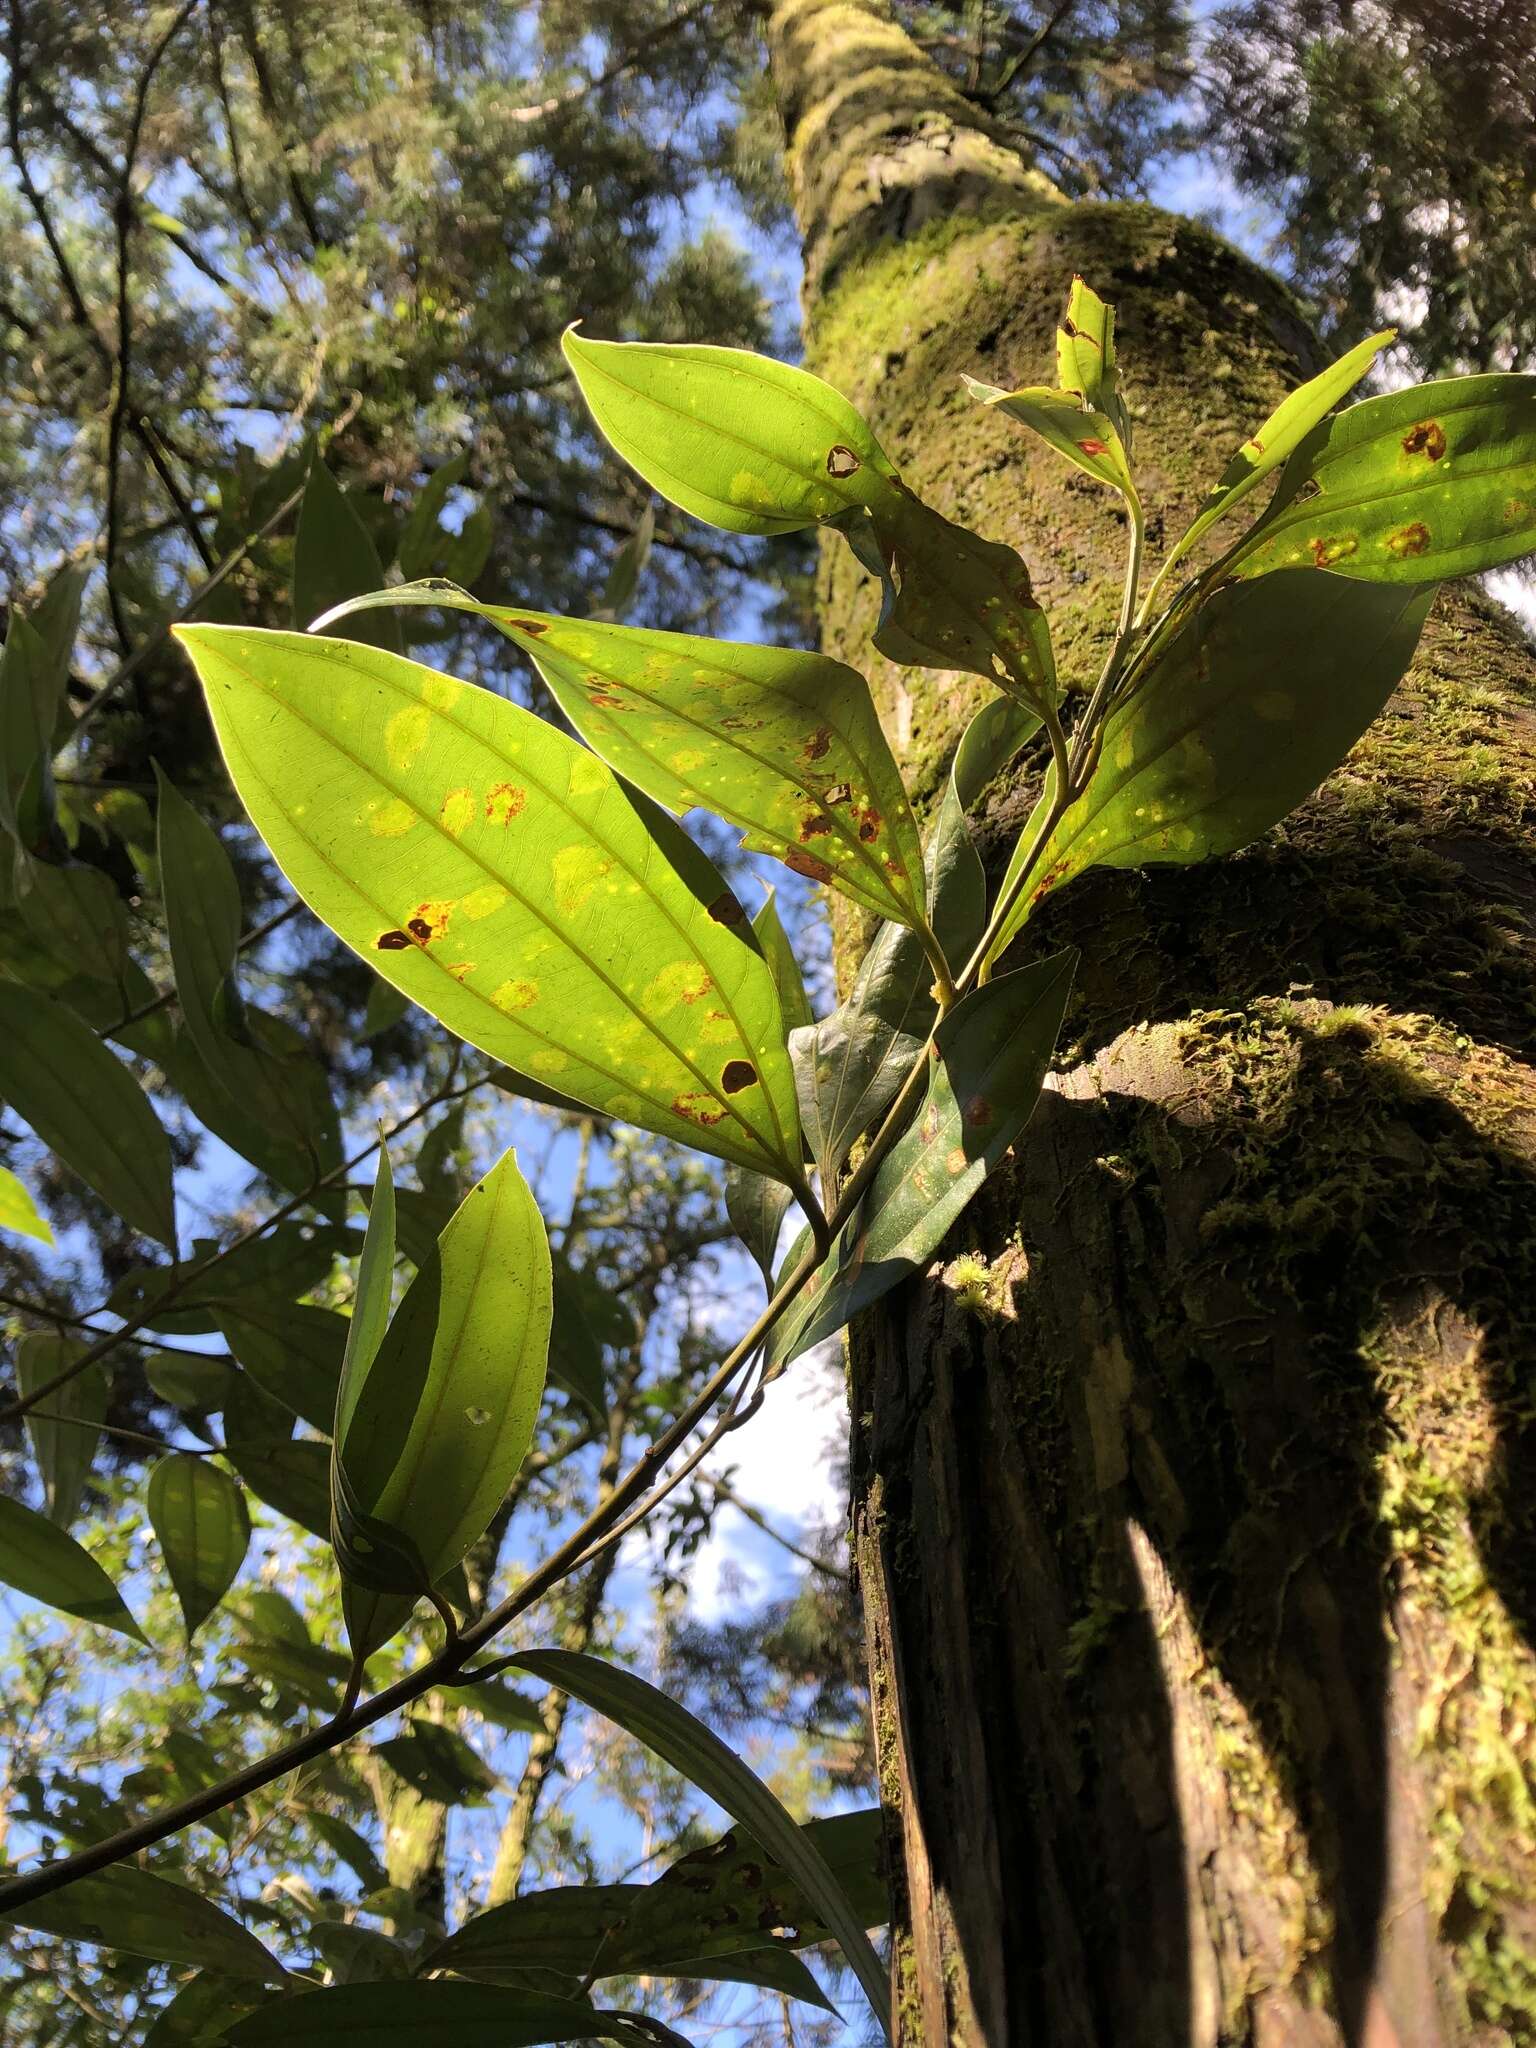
(1432,481)
(573,935)
(745,442)
(1088,439)
(1291,421)
(990,1058)
(784,745)
(712,1912)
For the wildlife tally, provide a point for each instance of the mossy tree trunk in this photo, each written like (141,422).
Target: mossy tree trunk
(1194,1504)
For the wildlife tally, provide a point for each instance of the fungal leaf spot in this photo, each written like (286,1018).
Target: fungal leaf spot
(392,820)
(1409,540)
(1426,439)
(458,808)
(504,801)
(738,1074)
(1329,548)
(392,942)
(841,461)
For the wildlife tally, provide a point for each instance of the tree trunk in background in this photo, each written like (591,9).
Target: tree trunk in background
(1197,1539)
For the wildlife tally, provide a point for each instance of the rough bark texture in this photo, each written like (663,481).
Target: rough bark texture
(1193,1490)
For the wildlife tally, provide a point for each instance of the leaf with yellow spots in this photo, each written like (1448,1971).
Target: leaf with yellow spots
(1250,705)
(989,1062)
(1433,481)
(745,442)
(784,745)
(552,978)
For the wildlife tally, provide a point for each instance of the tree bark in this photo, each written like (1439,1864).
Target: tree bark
(1195,1528)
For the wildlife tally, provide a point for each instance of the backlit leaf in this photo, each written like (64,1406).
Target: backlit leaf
(422,535)
(1251,705)
(1437,480)
(47,1565)
(203,2010)
(1088,439)
(188,1381)
(1292,419)
(74,913)
(19,1212)
(144,1915)
(735,438)
(784,745)
(86,1106)
(431,1429)
(65,1426)
(199,1519)
(1085,353)
(990,1057)
(438,1764)
(497,873)
(685,1743)
(757,1207)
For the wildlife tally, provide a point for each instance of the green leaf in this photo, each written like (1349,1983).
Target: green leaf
(422,536)
(370,1297)
(203,2011)
(361,1955)
(685,1743)
(386,1006)
(47,1565)
(34,674)
(850,1066)
(953,600)
(274,1111)
(292,1351)
(293,1477)
(794,1003)
(992,1052)
(1085,354)
(623,578)
(502,1705)
(712,1911)
(784,745)
(19,1212)
(1090,440)
(432,1428)
(432,2014)
(199,1519)
(64,1428)
(1251,705)
(86,1106)
(439,1764)
(497,873)
(735,438)
(133,1910)
(580,1329)
(75,915)
(185,1380)
(334,558)
(1437,480)
(344,1842)
(1290,422)
(757,1207)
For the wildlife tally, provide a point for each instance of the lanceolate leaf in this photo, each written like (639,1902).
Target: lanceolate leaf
(432,2013)
(782,744)
(19,1212)
(850,1066)
(432,1429)
(64,1427)
(1250,706)
(1088,439)
(334,558)
(275,1111)
(199,1518)
(757,1207)
(685,1743)
(991,1055)
(87,1107)
(1438,480)
(794,1003)
(1294,418)
(144,1915)
(1085,353)
(738,439)
(496,872)
(438,1764)
(47,1565)
(719,1904)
